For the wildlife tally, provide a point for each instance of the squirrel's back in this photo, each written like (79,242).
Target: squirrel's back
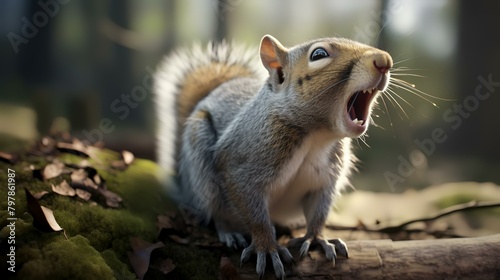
(187,76)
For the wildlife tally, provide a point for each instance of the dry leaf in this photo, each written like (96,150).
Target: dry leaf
(52,170)
(124,162)
(77,148)
(9,158)
(80,179)
(228,270)
(87,179)
(39,195)
(83,194)
(43,217)
(139,259)
(165,265)
(128,157)
(64,189)
(119,164)
(47,145)
(112,199)
(98,180)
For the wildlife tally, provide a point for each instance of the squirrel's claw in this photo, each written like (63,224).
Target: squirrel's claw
(340,247)
(329,248)
(232,239)
(260,267)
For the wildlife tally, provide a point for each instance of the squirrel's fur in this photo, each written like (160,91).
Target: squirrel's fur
(249,150)
(187,76)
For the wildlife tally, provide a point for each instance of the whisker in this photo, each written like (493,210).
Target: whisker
(405,60)
(403,68)
(388,115)
(393,92)
(408,74)
(417,93)
(387,110)
(362,138)
(412,88)
(399,106)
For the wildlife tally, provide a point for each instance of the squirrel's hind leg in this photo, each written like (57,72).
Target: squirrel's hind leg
(200,190)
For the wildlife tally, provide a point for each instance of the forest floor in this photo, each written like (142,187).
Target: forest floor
(74,211)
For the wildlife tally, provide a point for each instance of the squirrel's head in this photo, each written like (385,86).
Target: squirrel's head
(333,80)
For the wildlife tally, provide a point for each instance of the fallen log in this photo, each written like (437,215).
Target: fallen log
(457,258)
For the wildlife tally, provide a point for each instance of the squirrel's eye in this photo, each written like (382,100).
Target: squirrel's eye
(318,53)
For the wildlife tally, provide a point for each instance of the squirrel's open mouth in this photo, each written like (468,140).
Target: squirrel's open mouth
(359,104)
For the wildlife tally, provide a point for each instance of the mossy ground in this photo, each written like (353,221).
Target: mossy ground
(98,237)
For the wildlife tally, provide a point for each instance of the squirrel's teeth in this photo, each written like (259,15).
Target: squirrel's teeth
(358,122)
(370,91)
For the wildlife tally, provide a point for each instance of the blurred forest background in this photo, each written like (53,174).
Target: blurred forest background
(87,66)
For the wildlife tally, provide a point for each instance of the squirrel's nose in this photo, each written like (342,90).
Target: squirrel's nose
(382,63)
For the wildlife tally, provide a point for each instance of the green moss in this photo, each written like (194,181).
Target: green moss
(455,199)
(67,259)
(99,237)
(120,270)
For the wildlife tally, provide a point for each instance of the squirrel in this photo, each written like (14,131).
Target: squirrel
(250,145)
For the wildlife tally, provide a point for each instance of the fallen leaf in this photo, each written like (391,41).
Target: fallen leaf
(172,220)
(41,194)
(9,158)
(164,265)
(140,257)
(80,179)
(171,224)
(43,217)
(97,180)
(119,164)
(77,148)
(112,199)
(179,239)
(47,145)
(63,189)
(83,194)
(228,270)
(52,170)
(89,180)
(128,157)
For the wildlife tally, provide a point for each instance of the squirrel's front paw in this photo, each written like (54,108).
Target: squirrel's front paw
(329,248)
(274,252)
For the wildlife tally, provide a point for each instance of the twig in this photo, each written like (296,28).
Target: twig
(472,205)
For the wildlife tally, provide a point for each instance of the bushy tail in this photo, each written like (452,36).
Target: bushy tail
(184,78)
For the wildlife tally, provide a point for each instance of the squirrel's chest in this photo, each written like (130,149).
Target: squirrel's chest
(308,170)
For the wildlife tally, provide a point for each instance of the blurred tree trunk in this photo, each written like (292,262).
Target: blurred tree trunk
(477,56)
(119,78)
(222,14)
(35,64)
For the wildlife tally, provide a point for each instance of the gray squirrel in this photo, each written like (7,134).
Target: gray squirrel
(250,146)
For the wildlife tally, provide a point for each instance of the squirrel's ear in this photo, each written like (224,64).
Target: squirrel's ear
(272,53)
